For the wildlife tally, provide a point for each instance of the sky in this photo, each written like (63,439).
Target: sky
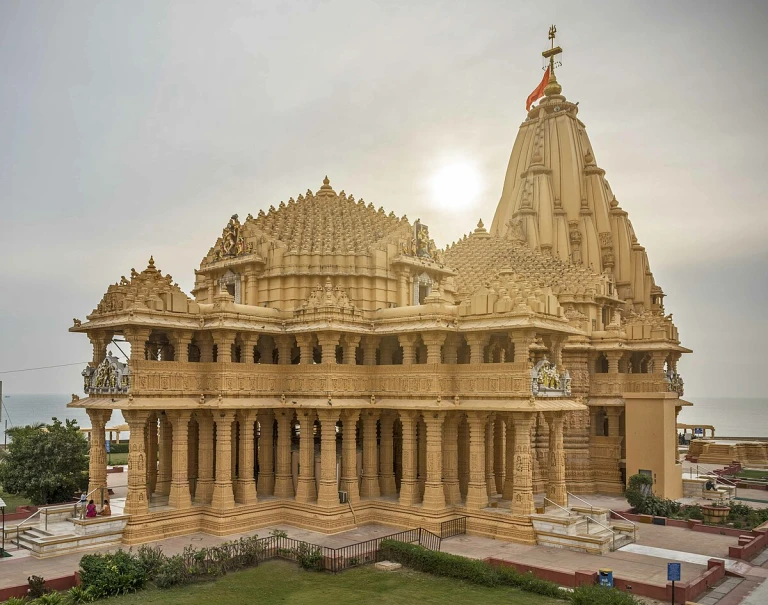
(137,128)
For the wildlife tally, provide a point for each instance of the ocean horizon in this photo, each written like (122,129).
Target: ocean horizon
(731,416)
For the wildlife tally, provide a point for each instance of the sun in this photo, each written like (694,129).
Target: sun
(455,186)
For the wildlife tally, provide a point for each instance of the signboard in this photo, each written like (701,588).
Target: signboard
(107,446)
(698,431)
(673,572)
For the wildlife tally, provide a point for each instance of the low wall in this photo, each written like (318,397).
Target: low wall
(62,583)
(22,512)
(750,549)
(692,524)
(684,591)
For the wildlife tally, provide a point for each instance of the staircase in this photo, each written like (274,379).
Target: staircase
(54,530)
(583,529)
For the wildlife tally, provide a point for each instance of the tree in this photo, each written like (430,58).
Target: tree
(46,463)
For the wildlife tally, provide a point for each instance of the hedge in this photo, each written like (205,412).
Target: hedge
(480,572)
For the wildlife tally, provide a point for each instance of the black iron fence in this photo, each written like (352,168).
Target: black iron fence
(354,555)
(453,527)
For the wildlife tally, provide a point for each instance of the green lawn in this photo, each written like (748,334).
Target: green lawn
(117,459)
(12,501)
(285,582)
(753,474)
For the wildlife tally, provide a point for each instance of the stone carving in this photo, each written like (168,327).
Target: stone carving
(546,381)
(109,377)
(327,296)
(232,241)
(675,383)
(420,245)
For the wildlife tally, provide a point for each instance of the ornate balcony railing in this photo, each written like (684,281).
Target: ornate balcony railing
(616,384)
(170,378)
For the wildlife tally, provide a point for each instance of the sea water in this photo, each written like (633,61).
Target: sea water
(20,410)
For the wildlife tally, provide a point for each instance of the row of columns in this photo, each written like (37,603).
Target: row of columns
(493,448)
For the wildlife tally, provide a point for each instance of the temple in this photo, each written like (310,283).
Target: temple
(334,367)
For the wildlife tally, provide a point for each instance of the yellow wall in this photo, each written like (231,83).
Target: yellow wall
(651,441)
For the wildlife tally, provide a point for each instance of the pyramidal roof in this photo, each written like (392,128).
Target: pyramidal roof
(557,196)
(327,222)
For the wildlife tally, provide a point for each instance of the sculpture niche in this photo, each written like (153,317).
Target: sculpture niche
(546,381)
(109,377)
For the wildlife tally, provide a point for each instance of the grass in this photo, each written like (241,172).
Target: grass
(752,474)
(284,582)
(117,459)
(12,501)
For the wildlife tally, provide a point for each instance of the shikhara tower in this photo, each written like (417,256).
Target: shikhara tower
(331,353)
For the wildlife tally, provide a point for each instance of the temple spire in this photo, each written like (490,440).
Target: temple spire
(553,88)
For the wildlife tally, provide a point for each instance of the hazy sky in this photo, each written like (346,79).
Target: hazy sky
(135,128)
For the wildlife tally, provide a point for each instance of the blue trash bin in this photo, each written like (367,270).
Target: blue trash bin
(606,577)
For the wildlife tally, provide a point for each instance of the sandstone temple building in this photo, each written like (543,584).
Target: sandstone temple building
(333,366)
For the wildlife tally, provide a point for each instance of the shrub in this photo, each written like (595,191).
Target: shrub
(151,559)
(51,598)
(36,587)
(469,570)
(112,573)
(309,557)
(16,601)
(77,595)
(601,595)
(172,572)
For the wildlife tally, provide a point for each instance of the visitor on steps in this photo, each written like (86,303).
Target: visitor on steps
(106,511)
(81,505)
(90,510)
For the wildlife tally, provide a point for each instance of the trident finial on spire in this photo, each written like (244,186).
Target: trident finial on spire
(553,88)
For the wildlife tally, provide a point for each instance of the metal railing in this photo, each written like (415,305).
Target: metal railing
(557,505)
(18,527)
(610,510)
(82,504)
(721,479)
(453,527)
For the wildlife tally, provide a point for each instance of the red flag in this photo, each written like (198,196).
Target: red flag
(538,92)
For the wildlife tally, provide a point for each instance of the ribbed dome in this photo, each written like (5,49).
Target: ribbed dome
(558,200)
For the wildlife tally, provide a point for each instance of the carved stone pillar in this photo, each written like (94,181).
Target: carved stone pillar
(306,488)
(490,478)
(349,345)
(100,339)
(137,338)
(179,490)
(408,343)
(204,487)
(477,342)
(421,450)
(265,346)
(498,453)
(328,342)
(165,454)
(224,340)
(328,492)
(408,483)
(136,499)
(657,361)
(152,453)
(522,499)
(246,483)
(349,479)
(370,344)
(522,340)
(451,459)
(283,473)
(251,287)
(181,339)
(477,493)
(403,288)
(556,490)
(266,484)
(386,455)
(204,342)
(451,349)
(556,350)
(247,344)
(370,484)
(463,431)
(434,494)
(434,342)
(223,496)
(97,461)
(305,344)
(509,459)
(613,361)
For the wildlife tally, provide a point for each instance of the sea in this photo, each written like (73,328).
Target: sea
(731,416)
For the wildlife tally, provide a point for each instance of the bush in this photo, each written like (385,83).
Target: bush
(151,559)
(309,557)
(469,570)
(16,601)
(112,573)
(172,572)
(601,595)
(77,595)
(51,598)
(118,448)
(36,587)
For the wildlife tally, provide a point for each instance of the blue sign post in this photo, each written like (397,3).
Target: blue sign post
(108,456)
(673,575)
